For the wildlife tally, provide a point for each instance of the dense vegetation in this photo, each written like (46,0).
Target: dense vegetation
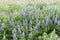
(32,22)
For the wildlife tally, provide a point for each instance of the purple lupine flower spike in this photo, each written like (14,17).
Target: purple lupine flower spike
(14,37)
(47,21)
(19,30)
(1,29)
(37,26)
(37,21)
(30,22)
(0,23)
(43,22)
(25,24)
(11,24)
(58,23)
(56,20)
(30,35)
(53,19)
(23,34)
(14,31)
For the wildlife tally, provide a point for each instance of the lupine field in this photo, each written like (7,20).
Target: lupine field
(39,21)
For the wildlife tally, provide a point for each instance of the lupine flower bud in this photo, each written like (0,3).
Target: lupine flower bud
(25,24)
(56,20)
(19,30)
(25,9)
(37,21)
(1,29)
(37,26)
(11,24)
(30,35)
(43,23)
(14,37)
(23,34)
(58,23)
(14,31)
(30,22)
(53,19)
(0,23)
(47,21)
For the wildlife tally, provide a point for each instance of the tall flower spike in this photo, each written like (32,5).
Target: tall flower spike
(11,24)
(47,21)
(37,26)
(30,22)
(37,21)
(30,35)
(58,23)
(1,29)
(14,37)
(0,23)
(43,22)
(56,20)
(19,30)
(14,31)
(25,24)
(23,34)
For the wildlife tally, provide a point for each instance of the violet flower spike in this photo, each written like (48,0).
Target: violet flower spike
(23,34)
(11,24)
(19,31)
(30,35)
(14,31)
(1,29)
(0,23)
(47,21)
(14,37)
(25,24)
(56,20)
(37,21)
(37,26)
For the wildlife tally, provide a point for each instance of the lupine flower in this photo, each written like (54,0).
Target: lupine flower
(43,22)
(19,30)
(1,29)
(23,34)
(30,35)
(30,22)
(25,24)
(25,9)
(47,21)
(0,24)
(24,14)
(56,20)
(14,37)
(35,17)
(58,23)
(11,24)
(53,19)
(37,21)
(37,26)
(14,31)
(40,18)
(20,13)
